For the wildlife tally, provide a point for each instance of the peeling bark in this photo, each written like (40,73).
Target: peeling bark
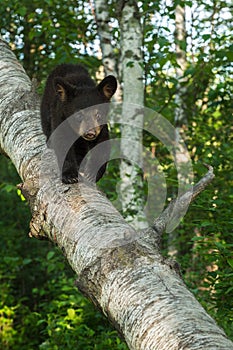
(102,18)
(133,93)
(119,269)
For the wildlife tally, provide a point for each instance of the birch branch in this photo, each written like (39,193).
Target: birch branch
(181,202)
(124,276)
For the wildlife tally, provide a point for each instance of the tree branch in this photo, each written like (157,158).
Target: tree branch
(124,276)
(178,204)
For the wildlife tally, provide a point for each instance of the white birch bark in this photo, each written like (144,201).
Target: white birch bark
(102,18)
(180,36)
(128,279)
(133,93)
(180,117)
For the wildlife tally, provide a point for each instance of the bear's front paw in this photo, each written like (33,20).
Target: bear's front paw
(69,179)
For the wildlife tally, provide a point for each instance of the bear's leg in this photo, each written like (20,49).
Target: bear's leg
(70,168)
(97,163)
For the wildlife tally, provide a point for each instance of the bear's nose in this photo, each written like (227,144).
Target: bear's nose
(90,135)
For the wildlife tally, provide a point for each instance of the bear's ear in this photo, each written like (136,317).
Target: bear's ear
(108,86)
(62,88)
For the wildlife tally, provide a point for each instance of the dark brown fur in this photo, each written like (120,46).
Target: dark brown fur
(68,92)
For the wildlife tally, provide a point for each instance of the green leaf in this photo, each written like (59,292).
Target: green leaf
(22,11)
(220,246)
(71,313)
(130,64)
(206,36)
(230,262)
(27,261)
(19,193)
(50,255)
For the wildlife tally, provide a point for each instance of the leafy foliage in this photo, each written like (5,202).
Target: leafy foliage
(39,305)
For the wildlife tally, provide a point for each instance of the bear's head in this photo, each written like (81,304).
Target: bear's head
(84,104)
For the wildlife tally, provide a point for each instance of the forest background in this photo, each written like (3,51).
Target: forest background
(38,304)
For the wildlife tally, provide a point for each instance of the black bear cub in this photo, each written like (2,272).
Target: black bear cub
(68,93)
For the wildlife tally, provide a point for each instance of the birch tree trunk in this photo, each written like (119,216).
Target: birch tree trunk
(118,268)
(102,17)
(133,94)
(180,117)
(180,38)
(131,72)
